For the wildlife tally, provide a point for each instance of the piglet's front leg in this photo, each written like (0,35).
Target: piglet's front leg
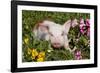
(66,46)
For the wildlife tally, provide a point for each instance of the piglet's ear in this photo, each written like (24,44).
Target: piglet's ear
(40,30)
(40,24)
(67,26)
(74,23)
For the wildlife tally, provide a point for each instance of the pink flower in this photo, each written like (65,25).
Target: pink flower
(87,22)
(82,25)
(88,27)
(85,27)
(88,32)
(82,28)
(81,20)
(78,55)
(82,31)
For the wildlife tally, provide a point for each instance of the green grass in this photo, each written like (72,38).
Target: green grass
(30,19)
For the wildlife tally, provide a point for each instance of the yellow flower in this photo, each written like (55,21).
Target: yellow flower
(29,51)
(27,27)
(41,55)
(49,50)
(34,53)
(40,59)
(26,40)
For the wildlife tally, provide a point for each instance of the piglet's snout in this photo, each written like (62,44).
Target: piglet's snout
(57,43)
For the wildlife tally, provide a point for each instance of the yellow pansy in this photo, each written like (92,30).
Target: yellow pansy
(40,59)
(29,51)
(41,55)
(26,40)
(34,53)
(27,27)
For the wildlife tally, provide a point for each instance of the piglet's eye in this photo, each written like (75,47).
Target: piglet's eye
(62,34)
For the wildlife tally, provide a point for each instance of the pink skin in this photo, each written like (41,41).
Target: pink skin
(43,28)
(56,36)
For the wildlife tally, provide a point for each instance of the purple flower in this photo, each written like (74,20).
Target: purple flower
(87,22)
(78,55)
(82,25)
(81,20)
(85,27)
(82,28)
(88,27)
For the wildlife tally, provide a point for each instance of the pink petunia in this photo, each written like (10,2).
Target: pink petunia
(82,25)
(87,22)
(85,27)
(88,27)
(78,55)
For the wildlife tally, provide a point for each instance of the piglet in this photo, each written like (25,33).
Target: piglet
(54,32)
